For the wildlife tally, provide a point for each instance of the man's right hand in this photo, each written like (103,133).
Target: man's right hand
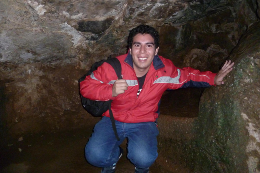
(119,87)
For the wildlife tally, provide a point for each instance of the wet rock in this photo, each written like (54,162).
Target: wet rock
(228,122)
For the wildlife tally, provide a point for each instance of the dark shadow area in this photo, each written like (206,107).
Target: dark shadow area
(63,152)
(182,102)
(3,128)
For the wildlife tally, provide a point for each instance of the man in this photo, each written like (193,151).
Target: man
(135,100)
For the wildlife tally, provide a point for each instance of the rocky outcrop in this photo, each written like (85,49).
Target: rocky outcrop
(69,30)
(228,123)
(47,45)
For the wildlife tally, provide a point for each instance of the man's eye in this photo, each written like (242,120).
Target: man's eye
(149,45)
(137,45)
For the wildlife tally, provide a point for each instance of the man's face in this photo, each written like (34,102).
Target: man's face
(143,51)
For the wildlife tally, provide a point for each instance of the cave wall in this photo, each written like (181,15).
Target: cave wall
(47,45)
(231,144)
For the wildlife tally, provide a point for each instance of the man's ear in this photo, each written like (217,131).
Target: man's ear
(156,51)
(130,51)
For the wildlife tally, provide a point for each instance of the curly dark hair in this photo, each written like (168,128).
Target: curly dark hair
(143,29)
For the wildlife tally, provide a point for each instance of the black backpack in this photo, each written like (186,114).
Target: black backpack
(97,108)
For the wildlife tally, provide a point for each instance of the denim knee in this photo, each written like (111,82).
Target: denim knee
(142,159)
(101,157)
(97,156)
(93,156)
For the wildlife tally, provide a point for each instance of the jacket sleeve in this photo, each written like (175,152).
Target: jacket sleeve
(98,85)
(189,77)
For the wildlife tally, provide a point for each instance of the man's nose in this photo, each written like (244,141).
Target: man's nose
(143,49)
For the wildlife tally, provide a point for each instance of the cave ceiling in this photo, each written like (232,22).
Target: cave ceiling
(74,30)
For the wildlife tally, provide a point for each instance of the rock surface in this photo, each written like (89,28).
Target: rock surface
(228,122)
(47,45)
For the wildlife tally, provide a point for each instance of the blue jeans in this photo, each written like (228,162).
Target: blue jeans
(103,149)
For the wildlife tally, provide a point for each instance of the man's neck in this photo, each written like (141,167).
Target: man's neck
(141,72)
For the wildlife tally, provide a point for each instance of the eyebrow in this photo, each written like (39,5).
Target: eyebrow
(145,43)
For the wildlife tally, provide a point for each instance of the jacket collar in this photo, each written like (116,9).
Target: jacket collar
(157,62)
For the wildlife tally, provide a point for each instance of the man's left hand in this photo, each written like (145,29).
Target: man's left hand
(227,67)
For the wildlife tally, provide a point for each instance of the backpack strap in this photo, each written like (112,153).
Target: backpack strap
(115,63)
(113,121)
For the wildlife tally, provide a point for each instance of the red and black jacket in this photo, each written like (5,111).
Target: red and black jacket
(129,108)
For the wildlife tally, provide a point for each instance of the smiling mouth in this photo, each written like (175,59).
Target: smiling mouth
(142,59)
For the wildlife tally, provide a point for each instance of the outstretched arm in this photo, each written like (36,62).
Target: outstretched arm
(227,67)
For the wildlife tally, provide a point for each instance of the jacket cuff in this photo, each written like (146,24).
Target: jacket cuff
(212,79)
